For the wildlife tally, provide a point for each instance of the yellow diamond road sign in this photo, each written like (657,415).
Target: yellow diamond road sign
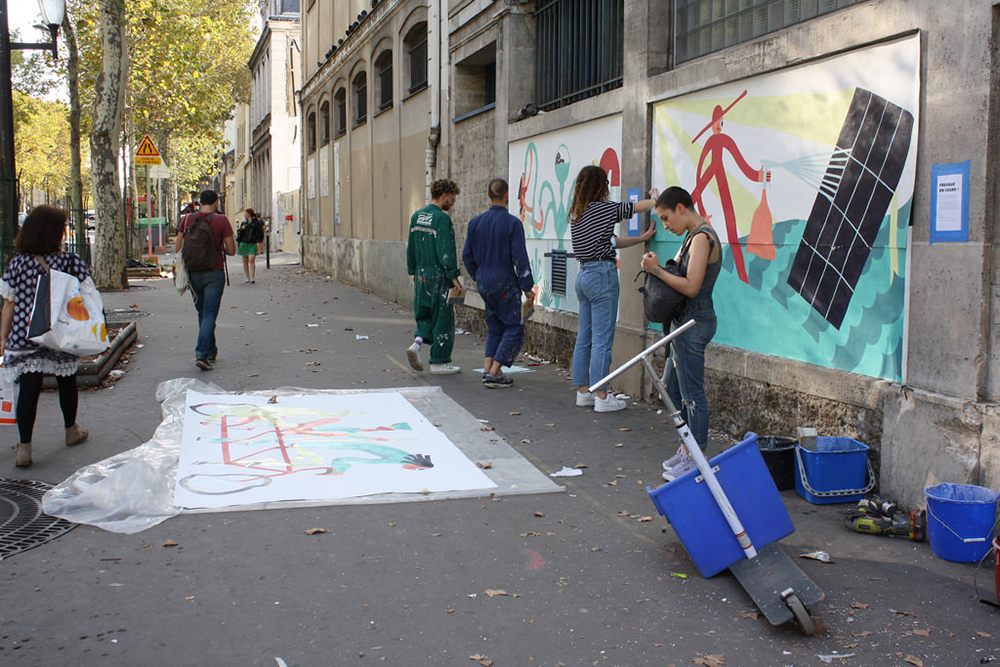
(147,153)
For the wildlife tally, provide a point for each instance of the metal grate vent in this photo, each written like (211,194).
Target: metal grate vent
(559,272)
(23,525)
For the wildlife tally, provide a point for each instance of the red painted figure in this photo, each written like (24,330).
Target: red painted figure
(716,146)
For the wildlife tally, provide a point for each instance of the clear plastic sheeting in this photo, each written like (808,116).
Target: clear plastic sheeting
(134,490)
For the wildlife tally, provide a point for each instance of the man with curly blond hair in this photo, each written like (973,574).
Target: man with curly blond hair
(432,260)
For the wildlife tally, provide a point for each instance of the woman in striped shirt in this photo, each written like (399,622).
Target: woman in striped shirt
(592,222)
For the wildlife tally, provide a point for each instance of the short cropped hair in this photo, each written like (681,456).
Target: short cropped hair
(444,186)
(208,197)
(42,231)
(673,196)
(497,189)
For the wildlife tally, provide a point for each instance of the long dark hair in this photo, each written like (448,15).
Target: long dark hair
(591,186)
(42,231)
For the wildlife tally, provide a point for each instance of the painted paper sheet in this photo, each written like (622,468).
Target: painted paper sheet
(544,170)
(245,449)
(807,175)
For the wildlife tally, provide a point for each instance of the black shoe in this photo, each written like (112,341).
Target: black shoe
(203,364)
(497,381)
(212,359)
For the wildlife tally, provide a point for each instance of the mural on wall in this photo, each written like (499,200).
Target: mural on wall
(807,175)
(542,173)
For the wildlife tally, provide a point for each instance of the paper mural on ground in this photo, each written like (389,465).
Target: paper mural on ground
(245,449)
(807,174)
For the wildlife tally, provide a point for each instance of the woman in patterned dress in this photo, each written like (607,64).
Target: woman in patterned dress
(25,362)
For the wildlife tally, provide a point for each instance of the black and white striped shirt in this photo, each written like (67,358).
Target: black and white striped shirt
(591,233)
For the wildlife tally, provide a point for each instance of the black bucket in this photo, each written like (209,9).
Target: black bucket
(779,455)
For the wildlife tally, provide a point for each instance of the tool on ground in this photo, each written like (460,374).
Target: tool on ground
(875,515)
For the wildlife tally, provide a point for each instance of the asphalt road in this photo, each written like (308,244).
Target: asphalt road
(590,576)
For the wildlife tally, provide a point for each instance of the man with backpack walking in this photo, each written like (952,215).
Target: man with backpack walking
(202,238)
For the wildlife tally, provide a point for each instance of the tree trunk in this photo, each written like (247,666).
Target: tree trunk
(109,101)
(75,178)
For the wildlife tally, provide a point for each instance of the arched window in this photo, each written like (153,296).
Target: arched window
(311,131)
(383,72)
(340,111)
(416,53)
(324,123)
(360,93)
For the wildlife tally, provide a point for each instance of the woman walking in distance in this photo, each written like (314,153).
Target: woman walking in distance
(37,245)
(592,222)
(250,236)
(699,260)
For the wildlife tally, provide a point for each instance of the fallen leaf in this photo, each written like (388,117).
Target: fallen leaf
(170,543)
(485,466)
(478,656)
(486,428)
(550,425)
(863,634)
(273,399)
(751,614)
(714,660)
(624,428)
(644,519)
(914,660)
(436,534)
(315,531)
(514,414)
(922,633)
(902,613)
(492,592)
(984,634)
(859,605)
(580,466)
(538,513)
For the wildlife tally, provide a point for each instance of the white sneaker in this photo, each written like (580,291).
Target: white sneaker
(686,464)
(413,356)
(676,458)
(610,403)
(444,369)
(585,400)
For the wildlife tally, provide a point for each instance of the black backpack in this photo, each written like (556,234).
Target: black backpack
(256,231)
(198,250)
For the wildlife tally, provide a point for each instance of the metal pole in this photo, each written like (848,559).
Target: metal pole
(8,194)
(149,215)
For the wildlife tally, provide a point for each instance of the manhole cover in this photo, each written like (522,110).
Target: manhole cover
(23,525)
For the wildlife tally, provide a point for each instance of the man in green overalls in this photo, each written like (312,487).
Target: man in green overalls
(433,262)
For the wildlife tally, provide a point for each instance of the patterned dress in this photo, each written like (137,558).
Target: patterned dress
(18,284)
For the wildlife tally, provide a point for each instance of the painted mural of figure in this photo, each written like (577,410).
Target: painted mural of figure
(715,148)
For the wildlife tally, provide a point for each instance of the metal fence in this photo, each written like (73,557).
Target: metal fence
(579,46)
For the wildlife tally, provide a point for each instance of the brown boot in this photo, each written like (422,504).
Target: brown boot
(75,435)
(23,457)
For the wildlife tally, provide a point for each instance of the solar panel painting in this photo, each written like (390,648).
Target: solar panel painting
(807,175)
(840,230)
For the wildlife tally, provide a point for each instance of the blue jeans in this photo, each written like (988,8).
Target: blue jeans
(504,329)
(597,291)
(206,289)
(684,373)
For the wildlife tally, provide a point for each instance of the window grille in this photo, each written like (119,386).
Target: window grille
(360,98)
(383,68)
(558,280)
(704,26)
(579,46)
(340,108)
(416,49)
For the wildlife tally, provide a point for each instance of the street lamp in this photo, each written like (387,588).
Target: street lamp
(53,12)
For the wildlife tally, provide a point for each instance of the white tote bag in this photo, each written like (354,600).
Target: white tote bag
(8,398)
(67,315)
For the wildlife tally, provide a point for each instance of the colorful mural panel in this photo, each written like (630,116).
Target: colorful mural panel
(807,174)
(542,174)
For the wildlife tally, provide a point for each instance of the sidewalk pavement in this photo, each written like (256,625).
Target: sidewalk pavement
(585,577)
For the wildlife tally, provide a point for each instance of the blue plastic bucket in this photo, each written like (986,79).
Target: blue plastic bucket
(960,520)
(835,472)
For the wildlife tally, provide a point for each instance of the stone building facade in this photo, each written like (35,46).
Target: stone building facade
(896,347)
